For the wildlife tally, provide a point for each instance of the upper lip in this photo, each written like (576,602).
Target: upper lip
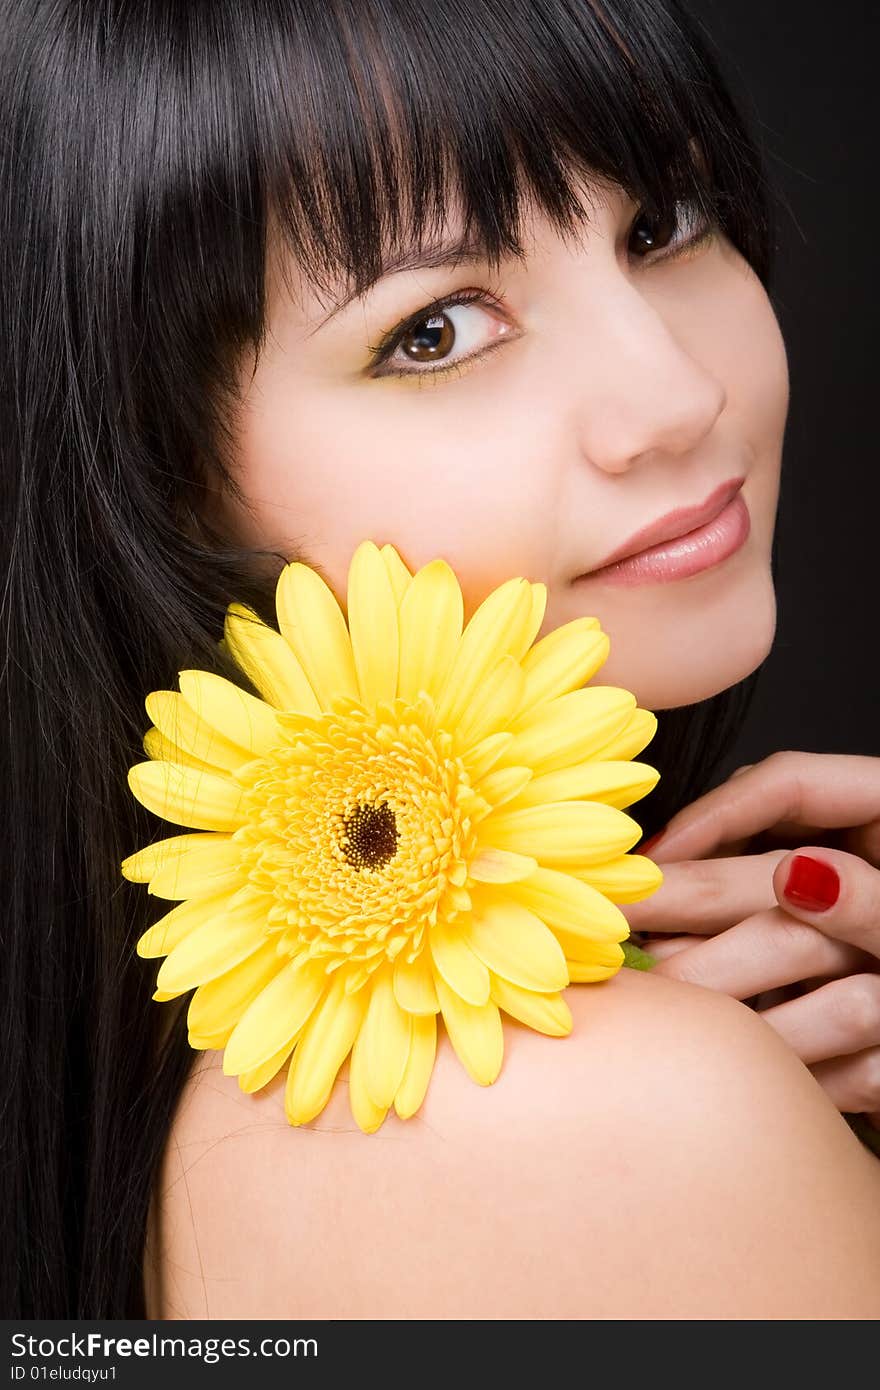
(676,523)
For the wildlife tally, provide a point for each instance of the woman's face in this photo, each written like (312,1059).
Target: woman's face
(598,389)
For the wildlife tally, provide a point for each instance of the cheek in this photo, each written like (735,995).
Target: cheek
(749,356)
(428,476)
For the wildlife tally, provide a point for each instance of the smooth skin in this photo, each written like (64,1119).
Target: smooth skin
(671,1158)
(814,973)
(619,389)
(662,1158)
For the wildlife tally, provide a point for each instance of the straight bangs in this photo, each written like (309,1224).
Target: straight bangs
(376,118)
(199,137)
(151,151)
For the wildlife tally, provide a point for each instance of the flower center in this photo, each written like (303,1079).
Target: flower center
(370,838)
(360,827)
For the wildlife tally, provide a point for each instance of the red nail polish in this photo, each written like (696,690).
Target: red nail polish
(649,844)
(812,884)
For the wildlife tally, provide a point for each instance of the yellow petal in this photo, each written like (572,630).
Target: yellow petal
(590,974)
(627,879)
(475,1033)
(179,722)
(313,624)
(398,573)
(570,728)
(563,833)
(616,783)
(368,1115)
(161,749)
(480,759)
(607,954)
(372,622)
(457,964)
(255,1080)
(216,1042)
(533,626)
(492,865)
(204,868)
(493,703)
(221,1002)
(495,630)
(163,936)
(565,658)
(186,796)
(431,617)
(420,1064)
(387,1030)
(245,720)
(635,735)
(183,880)
(218,945)
(504,784)
(546,1013)
(277,1013)
(324,1045)
(565,901)
(267,661)
(515,944)
(414,985)
(144,863)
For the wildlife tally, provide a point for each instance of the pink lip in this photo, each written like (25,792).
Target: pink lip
(676,523)
(683,555)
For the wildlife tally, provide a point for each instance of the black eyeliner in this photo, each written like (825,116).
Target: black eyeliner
(382,350)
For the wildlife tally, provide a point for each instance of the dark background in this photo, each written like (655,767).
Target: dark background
(806,78)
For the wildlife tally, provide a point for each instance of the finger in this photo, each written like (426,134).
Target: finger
(704,896)
(834,1021)
(802,881)
(798,790)
(763,952)
(669,946)
(853,1082)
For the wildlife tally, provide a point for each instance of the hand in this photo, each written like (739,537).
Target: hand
(813,975)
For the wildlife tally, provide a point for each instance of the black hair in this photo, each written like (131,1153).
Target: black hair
(147,149)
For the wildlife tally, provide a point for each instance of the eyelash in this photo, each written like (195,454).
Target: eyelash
(386,346)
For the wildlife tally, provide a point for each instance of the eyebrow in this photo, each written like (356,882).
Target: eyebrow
(463,250)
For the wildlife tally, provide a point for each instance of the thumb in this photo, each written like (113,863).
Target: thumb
(834,891)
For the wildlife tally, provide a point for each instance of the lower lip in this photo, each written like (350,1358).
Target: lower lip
(692,553)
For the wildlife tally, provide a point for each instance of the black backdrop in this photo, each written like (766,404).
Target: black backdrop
(802,71)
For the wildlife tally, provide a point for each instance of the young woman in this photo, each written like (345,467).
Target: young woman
(486,281)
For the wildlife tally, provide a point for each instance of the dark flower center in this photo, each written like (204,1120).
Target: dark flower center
(369,836)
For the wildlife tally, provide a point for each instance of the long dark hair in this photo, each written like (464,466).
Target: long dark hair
(146,150)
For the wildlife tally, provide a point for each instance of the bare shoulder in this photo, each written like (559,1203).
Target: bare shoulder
(670,1157)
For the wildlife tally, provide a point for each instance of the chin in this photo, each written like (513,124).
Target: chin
(697,655)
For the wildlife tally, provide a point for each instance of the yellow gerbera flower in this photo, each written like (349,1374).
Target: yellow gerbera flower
(415,819)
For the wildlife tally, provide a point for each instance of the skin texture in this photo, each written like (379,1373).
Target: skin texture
(700,1176)
(815,969)
(576,1186)
(623,387)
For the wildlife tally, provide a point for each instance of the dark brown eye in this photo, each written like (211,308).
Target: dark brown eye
(679,225)
(443,336)
(429,339)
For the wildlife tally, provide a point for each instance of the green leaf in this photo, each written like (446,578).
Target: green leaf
(636,958)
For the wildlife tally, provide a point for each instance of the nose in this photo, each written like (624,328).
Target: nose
(644,392)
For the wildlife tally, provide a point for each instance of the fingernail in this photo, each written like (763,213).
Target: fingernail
(649,844)
(812,884)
